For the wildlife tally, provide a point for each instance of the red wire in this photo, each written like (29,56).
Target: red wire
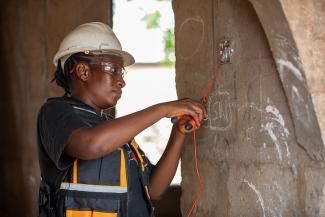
(205,94)
(213,79)
(198,178)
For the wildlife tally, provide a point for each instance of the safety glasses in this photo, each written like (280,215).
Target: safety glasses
(108,67)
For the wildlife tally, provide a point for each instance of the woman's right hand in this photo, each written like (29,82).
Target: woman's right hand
(186,107)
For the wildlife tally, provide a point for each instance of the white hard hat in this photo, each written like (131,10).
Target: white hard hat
(88,37)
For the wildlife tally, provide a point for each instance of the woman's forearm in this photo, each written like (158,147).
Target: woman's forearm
(165,169)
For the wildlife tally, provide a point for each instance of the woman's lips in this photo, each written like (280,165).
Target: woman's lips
(118,92)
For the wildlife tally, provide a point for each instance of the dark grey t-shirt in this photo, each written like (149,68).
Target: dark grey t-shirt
(57,119)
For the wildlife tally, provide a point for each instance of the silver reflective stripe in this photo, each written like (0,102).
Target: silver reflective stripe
(93,188)
(86,110)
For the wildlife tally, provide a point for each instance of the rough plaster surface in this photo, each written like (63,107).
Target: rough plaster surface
(252,161)
(292,75)
(31,32)
(306,20)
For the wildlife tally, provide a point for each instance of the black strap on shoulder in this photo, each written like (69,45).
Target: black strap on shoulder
(51,202)
(45,200)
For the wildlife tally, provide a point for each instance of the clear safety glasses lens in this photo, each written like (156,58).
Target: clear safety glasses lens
(109,68)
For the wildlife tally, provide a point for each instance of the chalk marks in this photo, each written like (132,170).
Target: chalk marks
(223,116)
(275,197)
(219,109)
(286,47)
(258,195)
(277,117)
(276,129)
(295,94)
(192,32)
(269,128)
(291,67)
(300,108)
(287,148)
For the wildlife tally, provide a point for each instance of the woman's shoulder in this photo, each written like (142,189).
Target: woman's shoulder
(56,105)
(55,101)
(62,101)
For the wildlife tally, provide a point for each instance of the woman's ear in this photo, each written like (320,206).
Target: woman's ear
(82,71)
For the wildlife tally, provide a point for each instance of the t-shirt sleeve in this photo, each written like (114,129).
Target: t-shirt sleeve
(56,122)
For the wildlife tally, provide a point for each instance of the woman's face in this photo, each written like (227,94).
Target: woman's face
(105,81)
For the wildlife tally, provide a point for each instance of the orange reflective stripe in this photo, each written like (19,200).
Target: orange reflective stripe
(104,214)
(78,213)
(75,172)
(123,180)
(135,146)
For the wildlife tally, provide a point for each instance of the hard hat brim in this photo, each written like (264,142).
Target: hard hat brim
(128,59)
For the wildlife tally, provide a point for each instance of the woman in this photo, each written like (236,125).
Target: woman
(90,163)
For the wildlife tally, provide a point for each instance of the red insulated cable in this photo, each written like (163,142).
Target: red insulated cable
(213,79)
(205,94)
(198,178)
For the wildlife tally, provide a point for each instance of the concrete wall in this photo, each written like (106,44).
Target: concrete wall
(30,34)
(306,21)
(260,152)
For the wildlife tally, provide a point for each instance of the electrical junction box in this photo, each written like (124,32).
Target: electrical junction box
(225,45)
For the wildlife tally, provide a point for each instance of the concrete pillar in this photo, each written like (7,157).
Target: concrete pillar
(30,34)
(260,153)
(306,19)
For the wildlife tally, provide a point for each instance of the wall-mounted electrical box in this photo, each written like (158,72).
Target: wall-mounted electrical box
(227,48)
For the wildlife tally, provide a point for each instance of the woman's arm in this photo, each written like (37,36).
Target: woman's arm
(165,169)
(95,142)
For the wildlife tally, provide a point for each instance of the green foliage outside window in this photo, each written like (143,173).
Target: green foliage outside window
(169,48)
(152,21)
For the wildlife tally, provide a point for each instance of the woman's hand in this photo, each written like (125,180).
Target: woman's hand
(186,110)
(182,123)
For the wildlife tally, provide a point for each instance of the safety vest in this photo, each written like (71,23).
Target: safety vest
(108,186)
(87,195)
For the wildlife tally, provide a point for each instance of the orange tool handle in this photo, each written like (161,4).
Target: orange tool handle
(189,125)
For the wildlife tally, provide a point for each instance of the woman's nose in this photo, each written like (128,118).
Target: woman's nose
(120,81)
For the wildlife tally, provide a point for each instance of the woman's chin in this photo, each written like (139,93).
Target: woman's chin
(110,104)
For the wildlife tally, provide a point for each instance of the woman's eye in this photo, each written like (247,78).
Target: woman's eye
(107,68)
(115,71)
(110,69)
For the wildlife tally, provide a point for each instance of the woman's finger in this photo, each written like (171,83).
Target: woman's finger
(184,122)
